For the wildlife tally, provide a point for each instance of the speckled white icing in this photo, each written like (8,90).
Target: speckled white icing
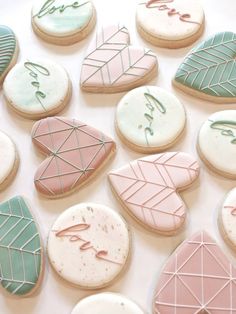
(7,156)
(77,254)
(161,25)
(149,116)
(36,86)
(217,141)
(106,303)
(70,17)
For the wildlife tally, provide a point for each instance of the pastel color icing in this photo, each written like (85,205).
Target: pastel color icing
(7,47)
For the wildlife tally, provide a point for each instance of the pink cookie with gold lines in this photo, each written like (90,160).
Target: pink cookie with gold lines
(75,151)
(148,188)
(112,65)
(197,279)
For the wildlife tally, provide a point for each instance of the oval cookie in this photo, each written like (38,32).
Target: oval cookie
(21,253)
(8,160)
(89,245)
(217,143)
(8,50)
(148,188)
(37,88)
(149,119)
(227,219)
(106,303)
(63,22)
(170,23)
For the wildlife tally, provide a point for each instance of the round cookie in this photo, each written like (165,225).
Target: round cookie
(149,119)
(89,245)
(63,22)
(171,23)
(8,51)
(227,219)
(37,88)
(217,143)
(8,160)
(106,303)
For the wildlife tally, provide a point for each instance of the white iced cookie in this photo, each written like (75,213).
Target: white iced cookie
(227,219)
(8,160)
(89,245)
(106,303)
(170,23)
(217,143)
(63,22)
(149,119)
(37,88)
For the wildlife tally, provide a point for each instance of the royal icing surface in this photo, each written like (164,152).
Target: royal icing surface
(149,116)
(228,217)
(20,248)
(89,245)
(217,141)
(62,17)
(75,151)
(7,47)
(198,278)
(148,188)
(7,156)
(210,68)
(111,62)
(170,19)
(30,86)
(106,303)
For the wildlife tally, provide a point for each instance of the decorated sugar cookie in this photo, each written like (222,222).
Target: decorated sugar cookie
(37,88)
(8,51)
(217,143)
(9,160)
(63,22)
(106,303)
(148,188)
(75,151)
(209,70)
(21,253)
(149,119)
(170,23)
(89,245)
(227,218)
(112,65)
(197,278)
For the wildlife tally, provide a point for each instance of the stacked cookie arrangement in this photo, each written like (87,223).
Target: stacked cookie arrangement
(89,244)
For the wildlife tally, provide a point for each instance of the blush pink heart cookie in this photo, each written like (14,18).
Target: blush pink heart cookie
(111,65)
(75,152)
(197,279)
(148,189)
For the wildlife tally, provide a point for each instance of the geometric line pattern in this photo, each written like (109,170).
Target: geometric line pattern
(198,278)
(7,47)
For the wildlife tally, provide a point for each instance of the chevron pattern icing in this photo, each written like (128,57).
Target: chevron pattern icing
(112,62)
(7,47)
(148,189)
(198,278)
(20,248)
(210,68)
(75,150)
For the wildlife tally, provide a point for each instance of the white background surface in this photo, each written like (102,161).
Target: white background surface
(149,250)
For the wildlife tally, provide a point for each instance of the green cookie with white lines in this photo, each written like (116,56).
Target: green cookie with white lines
(209,70)
(21,252)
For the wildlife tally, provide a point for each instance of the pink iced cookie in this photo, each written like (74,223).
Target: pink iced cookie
(111,65)
(198,278)
(148,189)
(75,152)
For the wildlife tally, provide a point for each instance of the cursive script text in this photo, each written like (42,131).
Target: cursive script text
(225,126)
(232,209)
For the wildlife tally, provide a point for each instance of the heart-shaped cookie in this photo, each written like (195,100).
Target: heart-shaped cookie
(209,71)
(111,65)
(198,278)
(148,189)
(75,152)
